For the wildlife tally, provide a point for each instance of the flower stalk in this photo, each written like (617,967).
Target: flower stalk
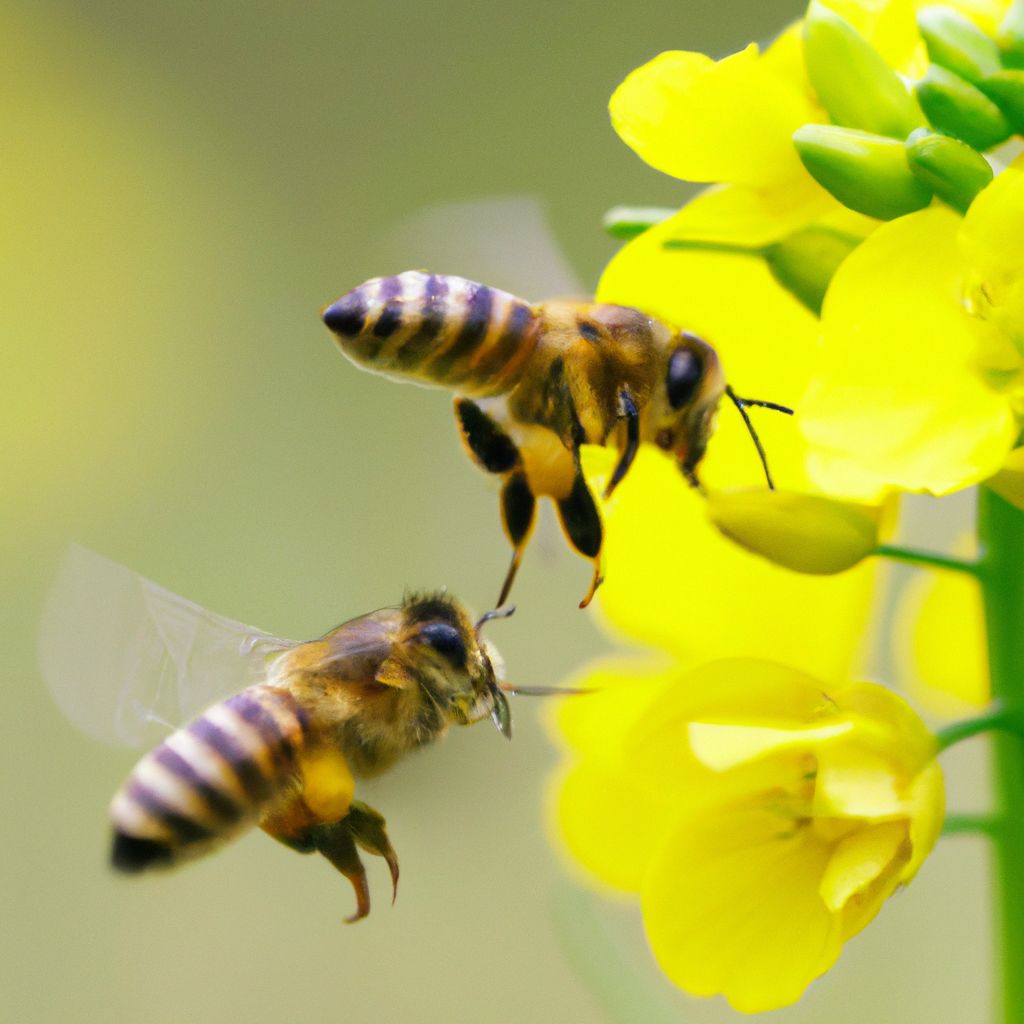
(1001,534)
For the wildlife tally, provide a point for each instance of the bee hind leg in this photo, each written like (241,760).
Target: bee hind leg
(340,842)
(518,514)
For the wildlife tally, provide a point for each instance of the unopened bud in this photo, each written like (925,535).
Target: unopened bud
(629,221)
(803,532)
(954,171)
(867,173)
(956,43)
(956,107)
(1006,90)
(804,262)
(853,82)
(1010,36)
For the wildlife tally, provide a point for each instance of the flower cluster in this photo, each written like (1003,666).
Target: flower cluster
(858,254)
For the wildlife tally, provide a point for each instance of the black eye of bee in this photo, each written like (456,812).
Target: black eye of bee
(684,373)
(445,640)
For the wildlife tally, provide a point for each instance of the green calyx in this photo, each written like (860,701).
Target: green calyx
(957,44)
(1010,36)
(954,171)
(956,107)
(853,82)
(1006,90)
(865,172)
(804,262)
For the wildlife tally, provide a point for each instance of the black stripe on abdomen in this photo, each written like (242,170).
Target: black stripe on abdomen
(235,757)
(453,363)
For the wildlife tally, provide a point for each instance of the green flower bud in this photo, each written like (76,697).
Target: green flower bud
(629,221)
(950,168)
(804,262)
(1010,36)
(802,532)
(1006,90)
(956,43)
(956,107)
(868,173)
(853,82)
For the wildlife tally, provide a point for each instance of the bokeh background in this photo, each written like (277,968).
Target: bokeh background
(184,185)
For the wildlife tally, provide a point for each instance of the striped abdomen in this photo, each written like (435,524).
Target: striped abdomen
(209,780)
(436,328)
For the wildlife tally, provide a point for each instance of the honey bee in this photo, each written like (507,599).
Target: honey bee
(282,753)
(535,382)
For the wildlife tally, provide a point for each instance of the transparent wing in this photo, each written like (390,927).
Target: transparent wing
(504,241)
(127,660)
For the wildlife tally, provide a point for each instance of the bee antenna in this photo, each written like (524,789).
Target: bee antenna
(497,613)
(542,691)
(742,404)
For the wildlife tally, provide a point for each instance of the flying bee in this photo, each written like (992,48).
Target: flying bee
(282,753)
(535,382)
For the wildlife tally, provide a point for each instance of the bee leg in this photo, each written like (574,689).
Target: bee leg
(486,442)
(581,522)
(337,843)
(494,451)
(368,830)
(627,411)
(518,513)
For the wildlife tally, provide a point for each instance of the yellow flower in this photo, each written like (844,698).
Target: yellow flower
(920,382)
(762,820)
(674,582)
(729,121)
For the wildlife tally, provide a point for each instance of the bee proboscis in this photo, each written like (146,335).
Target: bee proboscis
(118,652)
(535,382)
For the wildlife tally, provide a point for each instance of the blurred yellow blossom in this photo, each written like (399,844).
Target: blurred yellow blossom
(762,818)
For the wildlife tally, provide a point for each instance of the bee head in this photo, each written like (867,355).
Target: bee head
(452,663)
(685,407)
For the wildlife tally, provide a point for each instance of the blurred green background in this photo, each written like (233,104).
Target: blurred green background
(184,185)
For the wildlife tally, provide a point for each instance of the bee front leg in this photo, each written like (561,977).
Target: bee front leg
(629,412)
(581,522)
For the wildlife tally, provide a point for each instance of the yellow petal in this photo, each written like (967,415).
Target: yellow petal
(803,532)
(673,582)
(858,860)
(1008,483)
(854,783)
(770,705)
(741,215)
(891,28)
(928,810)
(992,239)
(939,641)
(897,392)
(731,906)
(702,120)
(609,822)
(888,725)
(721,747)
(619,692)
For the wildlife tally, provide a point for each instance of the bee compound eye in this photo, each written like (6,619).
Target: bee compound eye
(445,640)
(685,370)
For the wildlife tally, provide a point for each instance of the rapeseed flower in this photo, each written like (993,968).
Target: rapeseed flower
(919,384)
(762,818)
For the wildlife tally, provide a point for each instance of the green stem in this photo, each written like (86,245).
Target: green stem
(627,222)
(996,719)
(970,825)
(928,558)
(1001,574)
